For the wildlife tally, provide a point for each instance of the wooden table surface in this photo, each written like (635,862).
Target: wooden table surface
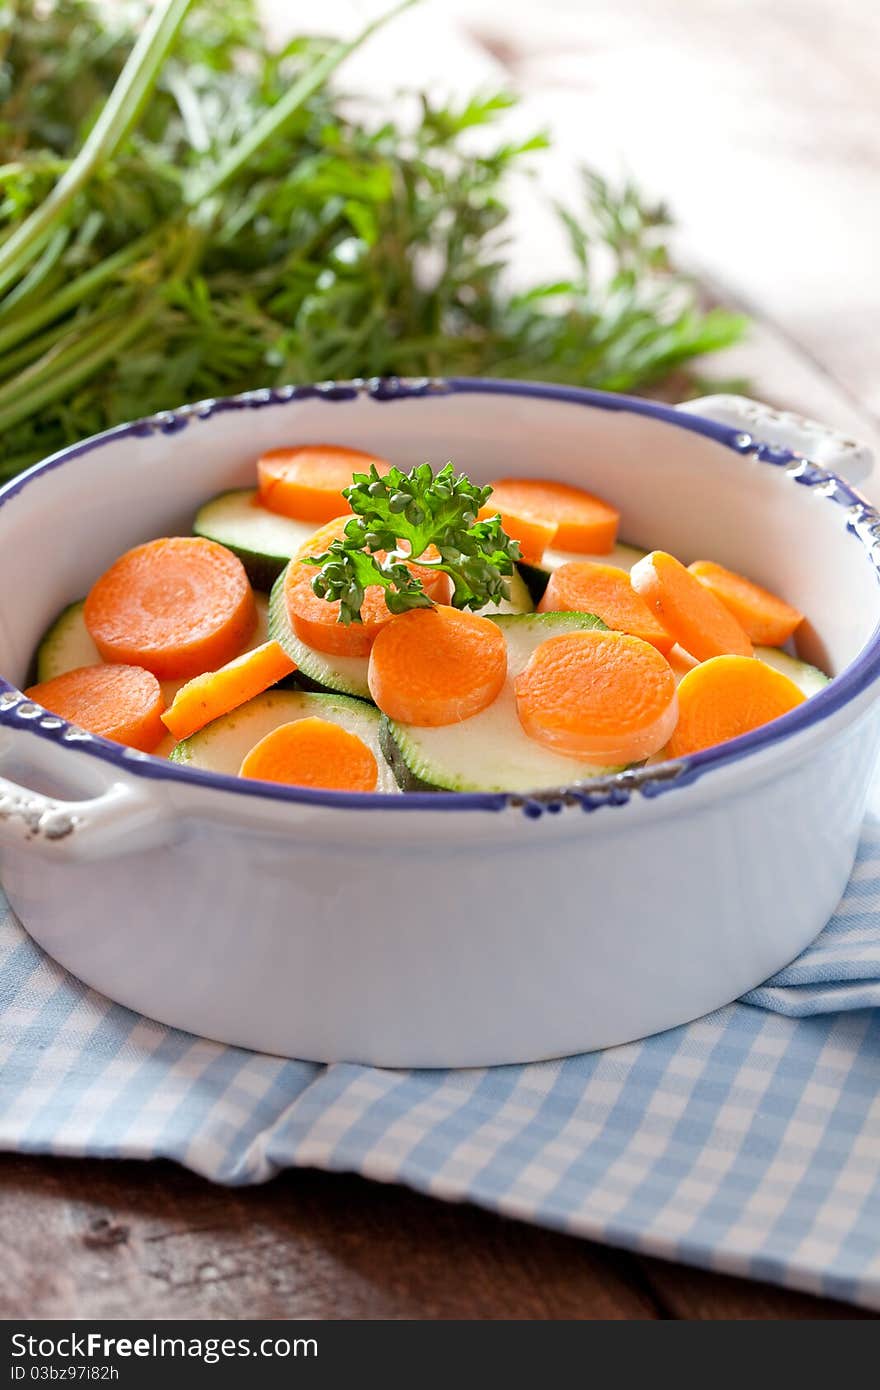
(774,102)
(87,1239)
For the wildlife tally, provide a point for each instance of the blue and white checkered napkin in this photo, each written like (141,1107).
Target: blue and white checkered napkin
(748,1141)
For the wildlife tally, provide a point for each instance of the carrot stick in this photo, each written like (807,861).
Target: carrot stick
(307,482)
(178,606)
(316,621)
(434,666)
(696,619)
(208,696)
(680,661)
(122,703)
(584,523)
(602,696)
(313,753)
(533,534)
(768,620)
(728,696)
(581,586)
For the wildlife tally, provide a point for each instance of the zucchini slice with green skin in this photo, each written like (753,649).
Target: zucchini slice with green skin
(223,744)
(347,675)
(520,600)
(67,644)
(536,576)
(319,671)
(807,678)
(262,540)
(490,751)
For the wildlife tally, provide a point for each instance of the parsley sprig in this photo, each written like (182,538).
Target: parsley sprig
(399,515)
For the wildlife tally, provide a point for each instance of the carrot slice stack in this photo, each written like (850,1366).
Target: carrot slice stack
(533,534)
(582,586)
(768,620)
(584,523)
(313,753)
(208,696)
(177,606)
(306,483)
(728,696)
(122,703)
(316,621)
(434,666)
(602,696)
(695,618)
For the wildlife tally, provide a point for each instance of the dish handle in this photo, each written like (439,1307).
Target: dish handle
(122,815)
(819,443)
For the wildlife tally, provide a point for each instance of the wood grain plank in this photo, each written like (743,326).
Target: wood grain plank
(84,1239)
(87,1239)
(698,1295)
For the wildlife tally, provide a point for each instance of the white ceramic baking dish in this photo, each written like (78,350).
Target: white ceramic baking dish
(446,930)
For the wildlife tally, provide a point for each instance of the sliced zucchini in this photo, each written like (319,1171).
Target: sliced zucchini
(348,674)
(67,644)
(222,745)
(520,600)
(807,678)
(321,671)
(490,751)
(262,540)
(623,556)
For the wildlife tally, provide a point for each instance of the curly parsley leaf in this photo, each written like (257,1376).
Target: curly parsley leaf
(427,515)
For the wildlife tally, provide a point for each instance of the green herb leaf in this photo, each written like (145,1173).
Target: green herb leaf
(327,247)
(399,515)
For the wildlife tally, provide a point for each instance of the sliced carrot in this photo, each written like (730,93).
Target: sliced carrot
(533,534)
(434,666)
(208,696)
(313,753)
(307,482)
(582,586)
(177,606)
(316,621)
(602,696)
(768,620)
(728,696)
(122,703)
(686,608)
(322,539)
(584,523)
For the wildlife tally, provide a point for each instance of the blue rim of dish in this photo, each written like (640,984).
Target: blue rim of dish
(863,522)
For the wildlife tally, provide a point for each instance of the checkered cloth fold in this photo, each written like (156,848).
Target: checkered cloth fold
(748,1141)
